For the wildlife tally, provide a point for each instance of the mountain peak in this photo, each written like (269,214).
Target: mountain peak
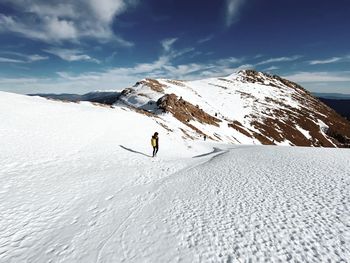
(245,107)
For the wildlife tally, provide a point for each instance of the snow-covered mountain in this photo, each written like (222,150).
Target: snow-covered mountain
(247,107)
(78,184)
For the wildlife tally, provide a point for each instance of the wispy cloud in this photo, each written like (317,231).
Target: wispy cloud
(81,77)
(325,61)
(303,77)
(35,57)
(229,61)
(205,39)
(122,77)
(71,55)
(279,59)
(65,20)
(11,60)
(19,81)
(16,57)
(232,11)
(169,52)
(168,43)
(271,68)
(163,67)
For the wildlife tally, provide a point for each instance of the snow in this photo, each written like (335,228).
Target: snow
(304,132)
(78,185)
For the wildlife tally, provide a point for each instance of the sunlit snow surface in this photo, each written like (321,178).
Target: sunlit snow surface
(78,185)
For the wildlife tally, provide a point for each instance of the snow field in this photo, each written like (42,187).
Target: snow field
(78,185)
(266,204)
(56,161)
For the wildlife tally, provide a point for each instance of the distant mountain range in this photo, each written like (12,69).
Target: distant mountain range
(103,97)
(247,107)
(342,106)
(337,101)
(333,96)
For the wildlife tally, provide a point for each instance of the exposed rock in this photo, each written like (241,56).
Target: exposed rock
(239,127)
(176,82)
(153,84)
(185,111)
(127,91)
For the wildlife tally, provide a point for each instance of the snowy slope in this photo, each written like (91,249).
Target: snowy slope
(78,185)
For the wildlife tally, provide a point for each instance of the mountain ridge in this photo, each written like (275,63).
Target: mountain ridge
(263,108)
(246,107)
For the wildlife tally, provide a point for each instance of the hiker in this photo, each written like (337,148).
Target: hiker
(205,137)
(155,143)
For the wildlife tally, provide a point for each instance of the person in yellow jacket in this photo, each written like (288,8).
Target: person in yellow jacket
(155,143)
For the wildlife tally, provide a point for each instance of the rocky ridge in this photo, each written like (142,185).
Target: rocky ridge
(245,107)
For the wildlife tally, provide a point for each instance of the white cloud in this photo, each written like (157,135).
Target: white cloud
(169,52)
(70,55)
(11,60)
(8,23)
(181,52)
(326,61)
(17,57)
(50,29)
(65,20)
(122,77)
(149,67)
(168,43)
(163,67)
(271,68)
(245,66)
(180,71)
(116,78)
(205,39)
(35,57)
(20,81)
(229,61)
(160,68)
(232,11)
(303,77)
(62,29)
(82,77)
(106,9)
(279,59)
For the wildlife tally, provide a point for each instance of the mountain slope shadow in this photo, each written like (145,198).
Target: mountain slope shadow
(133,151)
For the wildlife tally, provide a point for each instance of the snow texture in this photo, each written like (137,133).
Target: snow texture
(78,185)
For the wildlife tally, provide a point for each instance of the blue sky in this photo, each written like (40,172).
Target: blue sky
(78,46)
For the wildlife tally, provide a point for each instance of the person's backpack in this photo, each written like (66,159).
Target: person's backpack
(154,142)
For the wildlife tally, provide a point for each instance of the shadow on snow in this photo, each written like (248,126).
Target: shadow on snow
(215,150)
(133,151)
